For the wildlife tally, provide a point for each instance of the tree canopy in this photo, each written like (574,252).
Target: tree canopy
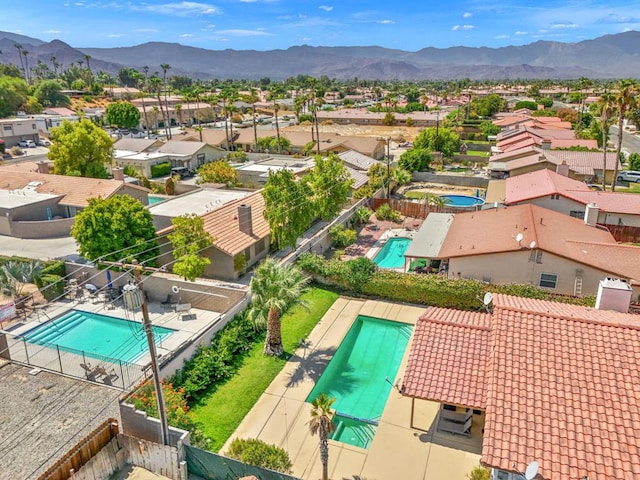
(80,149)
(49,94)
(122,114)
(271,144)
(219,172)
(13,93)
(287,207)
(331,185)
(440,139)
(415,160)
(189,239)
(116,228)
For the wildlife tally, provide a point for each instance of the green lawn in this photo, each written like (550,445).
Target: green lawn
(220,412)
(415,194)
(477,153)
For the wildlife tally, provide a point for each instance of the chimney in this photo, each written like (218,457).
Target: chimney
(546,144)
(44,167)
(591,214)
(563,169)
(613,294)
(118,174)
(244,219)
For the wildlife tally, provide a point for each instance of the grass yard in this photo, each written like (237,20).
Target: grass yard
(220,412)
(415,194)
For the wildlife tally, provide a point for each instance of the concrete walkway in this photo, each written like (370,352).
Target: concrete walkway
(281,414)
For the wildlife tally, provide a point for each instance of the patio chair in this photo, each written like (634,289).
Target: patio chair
(170,302)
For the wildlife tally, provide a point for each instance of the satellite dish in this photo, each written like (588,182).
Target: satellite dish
(175,289)
(488,297)
(519,237)
(531,471)
(533,244)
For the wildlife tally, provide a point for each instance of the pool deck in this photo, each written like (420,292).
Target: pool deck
(281,414)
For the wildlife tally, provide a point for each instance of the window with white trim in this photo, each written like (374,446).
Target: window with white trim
(548,280)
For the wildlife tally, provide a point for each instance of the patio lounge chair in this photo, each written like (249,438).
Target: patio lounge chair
(170,302)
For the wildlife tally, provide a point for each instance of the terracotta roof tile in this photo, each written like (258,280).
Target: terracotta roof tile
(448,357)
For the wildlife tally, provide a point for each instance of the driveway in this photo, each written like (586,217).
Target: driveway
(41,249)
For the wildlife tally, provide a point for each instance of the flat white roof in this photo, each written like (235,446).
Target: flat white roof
(199,202)
(22,197)
(428,241)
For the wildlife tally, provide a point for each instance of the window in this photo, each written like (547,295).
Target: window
(6,128)
(260,245)
(446,406)
(548,280)
(247,253)
(555,196)
(576,214)
(535,256)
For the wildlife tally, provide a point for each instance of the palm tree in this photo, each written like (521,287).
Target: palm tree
(88,58)
(165,67)
(321,424)
(19,48)
(252,98)
(155,84)
(625,99)
(273,288)
(15,275)
(606,104)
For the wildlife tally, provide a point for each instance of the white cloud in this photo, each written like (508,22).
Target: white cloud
(146,30)
(186,35)
(386,22)
(614,18)
(180,9)
(238,32)
(455,27)
(52,31)
(462,27)
(519,32)
(501,37)
(563,25)
(115,35)
(467,15)
(326,8)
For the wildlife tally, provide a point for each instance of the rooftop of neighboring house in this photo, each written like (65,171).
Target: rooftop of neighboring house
(197,202)
(75,191)
(515,139)
(224,226)
(279,162)
(177,147)
(359,178)
(558,382)
(211,136)
(136,145)
(62,111)
(363,114)
(357,160)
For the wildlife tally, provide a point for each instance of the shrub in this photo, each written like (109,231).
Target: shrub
(384,212)
(240,262)
(51,286)
(55,267)
(160,169)
(130,171)
(342,237)
(169,186)
(260,454)
(362,215)
(479,473)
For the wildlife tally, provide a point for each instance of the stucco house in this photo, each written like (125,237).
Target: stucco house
(143,153)
(586,166)
(540,381)
(13,130)
(241,237)
(559,193)
(547,139)
(40,205)
(526,244)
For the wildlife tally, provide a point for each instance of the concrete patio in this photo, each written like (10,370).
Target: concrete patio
(281,414)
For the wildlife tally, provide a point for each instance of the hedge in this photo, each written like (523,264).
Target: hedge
(160,169)
(51,286)
(358,276)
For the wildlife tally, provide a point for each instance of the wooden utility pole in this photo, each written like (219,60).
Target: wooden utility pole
(162,412)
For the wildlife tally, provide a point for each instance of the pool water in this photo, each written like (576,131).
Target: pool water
(461,200)
(360,376)
(391,255)
(96,335)
(154,199)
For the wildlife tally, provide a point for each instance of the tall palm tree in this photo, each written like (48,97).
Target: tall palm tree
(165,67)
(625,99)
(88,58)
(606,104)
(141,84)
(321,424)
(273,288)
(19,48)
(252,98)
(156,86)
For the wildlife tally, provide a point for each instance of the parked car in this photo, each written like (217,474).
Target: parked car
(629,176)
(184,172)
(43,142)
(27,143)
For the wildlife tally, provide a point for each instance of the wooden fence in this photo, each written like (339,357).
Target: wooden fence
(417,209)
(82,452)
(624,233)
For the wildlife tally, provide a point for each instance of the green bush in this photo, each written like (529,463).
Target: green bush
(218,361)
(160,169)
(51,286)
(342,237)
(384,212)
(362,276)
(362,215)
(260,454)
(54,267)
(479,473)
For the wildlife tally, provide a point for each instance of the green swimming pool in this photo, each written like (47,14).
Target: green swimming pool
(360,376)
(95,335)
(391,255)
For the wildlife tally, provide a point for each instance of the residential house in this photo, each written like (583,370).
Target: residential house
(357,116)
(256,174)
(13,130)
(241,236)
(541,381)
(515,139)
(559,193)
(585,166)
(526,244)
(215,137)
(143,153)
(42,205)
(357,160)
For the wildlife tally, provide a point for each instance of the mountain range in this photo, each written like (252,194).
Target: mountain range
(609,56)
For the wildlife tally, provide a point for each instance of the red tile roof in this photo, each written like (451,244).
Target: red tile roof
(447,360)
(562,383)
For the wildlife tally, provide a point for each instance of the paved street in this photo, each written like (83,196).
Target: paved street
(43,249)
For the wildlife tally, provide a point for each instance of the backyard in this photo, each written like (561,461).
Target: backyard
(221,410)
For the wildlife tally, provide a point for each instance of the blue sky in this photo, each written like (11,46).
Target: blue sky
(273,24)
